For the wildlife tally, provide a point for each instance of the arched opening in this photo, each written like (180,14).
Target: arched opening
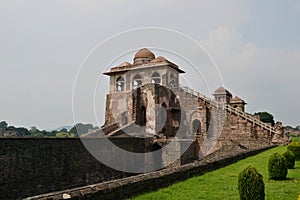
(155,78)
(143,116)
(196,127)
(120,84)
(165,119)
(124,117)
(161,121)
(137,81)
(236,107)
(172,80)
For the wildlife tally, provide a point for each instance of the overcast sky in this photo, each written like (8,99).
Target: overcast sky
(255,44)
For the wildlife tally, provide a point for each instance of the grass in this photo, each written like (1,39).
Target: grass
(222,183)
(295,139)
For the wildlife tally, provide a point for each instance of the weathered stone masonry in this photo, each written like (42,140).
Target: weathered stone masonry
(147,93)
(31,166)
(146,109)
(127,187)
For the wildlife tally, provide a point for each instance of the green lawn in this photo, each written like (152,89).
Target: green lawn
(222,183)
(295,139)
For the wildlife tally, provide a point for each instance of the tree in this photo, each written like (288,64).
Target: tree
(73,131)
(266,117)
(62,134)
(33,130)
(3,124)
(80,129)
(22,131)
(64,130)
(297,128)
(53,133)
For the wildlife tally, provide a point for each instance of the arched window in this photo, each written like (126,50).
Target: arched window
(172,80)
(137,81)
(120,84)
(155,78)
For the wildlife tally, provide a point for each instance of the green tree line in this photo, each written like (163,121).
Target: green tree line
(75,131)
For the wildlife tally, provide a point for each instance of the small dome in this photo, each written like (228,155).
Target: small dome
(236,98)
(159,59)
(124,64)
(222,90)
(121,66)
(144,53)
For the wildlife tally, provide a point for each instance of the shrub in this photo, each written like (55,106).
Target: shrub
(251,184)
(290,159)
(295,148)
(277,167)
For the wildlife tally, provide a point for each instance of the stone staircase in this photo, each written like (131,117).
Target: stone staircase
(250,118)
(230,109)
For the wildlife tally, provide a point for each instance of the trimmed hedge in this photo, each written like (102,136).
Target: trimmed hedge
(290,159)
(295,148)
(277,167)
(251,184)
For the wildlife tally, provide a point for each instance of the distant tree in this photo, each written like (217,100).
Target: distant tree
(266,117)
(73,131)
(14,131)
(3,124)
(23,131)
(64,130)
(34,130)
(297,128)
(53,133)
(62,134)
(80,129)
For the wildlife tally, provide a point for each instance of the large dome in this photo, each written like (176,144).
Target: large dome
(144,53)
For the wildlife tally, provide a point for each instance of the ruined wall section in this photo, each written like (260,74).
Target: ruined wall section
(219,127)
(160,107)
(243,133)
(118,108)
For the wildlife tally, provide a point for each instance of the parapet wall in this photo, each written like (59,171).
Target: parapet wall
(31,166)
(134,185)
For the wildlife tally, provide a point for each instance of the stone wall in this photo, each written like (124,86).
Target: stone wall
(134,185)
(30,166)
(239,131)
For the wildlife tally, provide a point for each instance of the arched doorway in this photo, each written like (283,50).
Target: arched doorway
(196,127)
(164,118)
(143,116)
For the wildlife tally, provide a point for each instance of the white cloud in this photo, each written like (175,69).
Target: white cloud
(267,78)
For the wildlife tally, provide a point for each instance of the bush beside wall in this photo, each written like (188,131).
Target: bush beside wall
(277,167)
(295,148)
(251,184)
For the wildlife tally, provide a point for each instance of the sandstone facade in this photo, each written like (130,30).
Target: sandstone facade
(147,100)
